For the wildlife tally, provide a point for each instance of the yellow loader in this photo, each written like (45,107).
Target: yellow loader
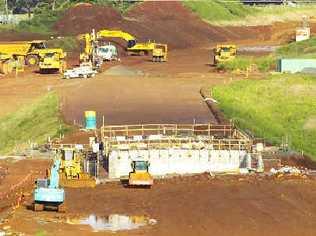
(71,170)
(140,175)
(52,60)
(224,53)
(160,52)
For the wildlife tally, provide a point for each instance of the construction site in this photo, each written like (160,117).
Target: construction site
(158,120)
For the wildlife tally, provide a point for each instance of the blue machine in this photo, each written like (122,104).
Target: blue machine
(47,192)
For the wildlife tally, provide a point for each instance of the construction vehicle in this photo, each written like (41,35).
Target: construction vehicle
(132,47)
(48,193)
(30,50)
(140,175)
(52,60)
(71,169)
(84,71)
(224,53)
(6,63)
(107,52)
(160,53)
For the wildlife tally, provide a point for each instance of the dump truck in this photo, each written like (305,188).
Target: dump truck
(140,175)
(48,193)
(71,169)
(30,50)
(6,63)
(52,60)
(224,53)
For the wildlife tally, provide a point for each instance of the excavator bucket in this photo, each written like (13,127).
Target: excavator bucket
(83,181)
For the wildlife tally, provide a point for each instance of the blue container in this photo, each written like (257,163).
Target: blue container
(91,120)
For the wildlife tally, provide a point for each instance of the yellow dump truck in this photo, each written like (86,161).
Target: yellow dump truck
(6,64)
(140,175)
(224,53)
(52,60)
(30,50)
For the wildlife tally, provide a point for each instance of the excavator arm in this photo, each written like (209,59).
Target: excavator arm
(130,39)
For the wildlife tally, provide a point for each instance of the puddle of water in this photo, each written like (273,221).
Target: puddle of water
(113,222)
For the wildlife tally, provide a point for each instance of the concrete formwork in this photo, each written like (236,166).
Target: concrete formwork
(178,161)
(176,149)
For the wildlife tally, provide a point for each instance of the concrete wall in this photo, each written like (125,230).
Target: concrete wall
(297,65)
(178,161)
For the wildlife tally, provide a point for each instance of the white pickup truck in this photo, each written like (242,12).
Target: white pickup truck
(83,71)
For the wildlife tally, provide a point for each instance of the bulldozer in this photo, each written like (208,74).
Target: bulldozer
(160,53)
(30,50)
(140,175)
(52,60)
(71,169)
(224,53)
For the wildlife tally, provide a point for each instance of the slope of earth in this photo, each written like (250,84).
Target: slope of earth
(186,206)
(165,22)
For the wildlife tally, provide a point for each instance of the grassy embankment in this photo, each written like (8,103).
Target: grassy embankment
(32,123)
(230,13)
(279,106)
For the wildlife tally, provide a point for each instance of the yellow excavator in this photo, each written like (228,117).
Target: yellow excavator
(71,169)
(159,51)
(52,60)
(140,175)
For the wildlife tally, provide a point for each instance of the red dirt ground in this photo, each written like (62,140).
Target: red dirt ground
(187,206)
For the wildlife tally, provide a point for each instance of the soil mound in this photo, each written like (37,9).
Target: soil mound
(164,22)
(82,18)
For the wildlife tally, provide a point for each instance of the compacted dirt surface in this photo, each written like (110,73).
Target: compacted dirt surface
(196,205)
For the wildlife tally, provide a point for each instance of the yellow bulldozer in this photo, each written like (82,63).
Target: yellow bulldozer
(140,175)
(224,53)
(52,60)
(71,169)
(30,50)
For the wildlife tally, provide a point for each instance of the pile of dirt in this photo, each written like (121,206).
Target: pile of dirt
(164,22)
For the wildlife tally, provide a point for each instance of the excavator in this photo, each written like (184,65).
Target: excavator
(159,51)
(48,193)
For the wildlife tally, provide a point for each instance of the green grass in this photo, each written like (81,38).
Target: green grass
(306,49)
(280,106)
(35,122)
(68,44)
(264,63)
(217,10)
(234,13)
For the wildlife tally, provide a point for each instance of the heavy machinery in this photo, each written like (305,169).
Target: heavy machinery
(52,60)
(71,169)
(140,175)
(6,63)
(159,51)
(224,53)
(48,193)
(30,50)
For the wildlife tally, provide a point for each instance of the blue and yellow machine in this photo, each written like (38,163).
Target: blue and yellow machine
(48,193)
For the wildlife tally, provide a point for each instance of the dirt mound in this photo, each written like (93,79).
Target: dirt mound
(165,22)
(84,17)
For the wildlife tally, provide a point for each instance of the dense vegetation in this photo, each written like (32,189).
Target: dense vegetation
(278,107)
(35,123)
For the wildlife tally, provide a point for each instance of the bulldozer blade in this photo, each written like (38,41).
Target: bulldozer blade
(78,183)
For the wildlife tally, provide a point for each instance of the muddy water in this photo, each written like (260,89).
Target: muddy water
(113,222)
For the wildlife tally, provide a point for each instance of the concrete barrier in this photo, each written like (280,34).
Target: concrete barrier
(178,161)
